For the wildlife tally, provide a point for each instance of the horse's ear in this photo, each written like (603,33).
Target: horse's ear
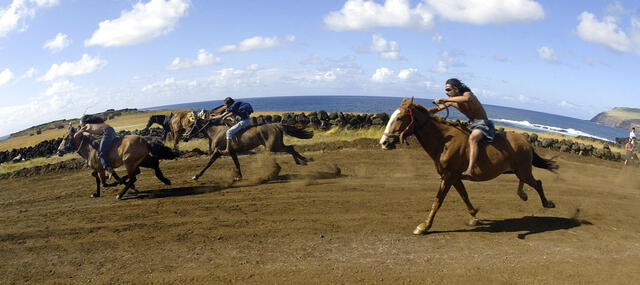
(70,125)
(411,101)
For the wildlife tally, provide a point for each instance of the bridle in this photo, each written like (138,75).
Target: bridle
(409,126)
(199,130)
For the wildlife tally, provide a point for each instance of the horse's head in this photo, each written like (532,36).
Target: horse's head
(400,125)
(67,145)
(196,126)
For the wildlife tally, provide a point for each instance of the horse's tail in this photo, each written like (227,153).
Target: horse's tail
(296,132)
(548,164)
(160,151)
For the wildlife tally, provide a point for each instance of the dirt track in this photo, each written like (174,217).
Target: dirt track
(318,224)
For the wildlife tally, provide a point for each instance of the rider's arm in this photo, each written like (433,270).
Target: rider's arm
(456,99)
(80,130)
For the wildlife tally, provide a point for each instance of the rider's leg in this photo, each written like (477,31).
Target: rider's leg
(475,136)
(105,146)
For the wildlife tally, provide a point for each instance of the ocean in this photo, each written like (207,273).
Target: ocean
(518,118)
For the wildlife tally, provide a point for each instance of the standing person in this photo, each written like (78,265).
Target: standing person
(241,112)
(628,147)
(96,125)
(632,136)
(461,97)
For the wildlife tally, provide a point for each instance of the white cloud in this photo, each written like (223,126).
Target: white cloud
(386,49)
(446,61)
(547,54)
(488,11)
(14,16)
(605,32)
(85,65)
(366,15)
(407,73)
(437,38)
(58,43)
(566,104)
(29,73)
(5,76)
(382,74)
(204,58)
(141,24)
(59,87)
(258,42)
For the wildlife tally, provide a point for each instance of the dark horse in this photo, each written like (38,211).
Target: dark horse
(132,151)
(268,135)
(162,120)
(447,144)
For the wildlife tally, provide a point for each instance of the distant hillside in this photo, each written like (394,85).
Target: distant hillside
(620,117)
(108,114)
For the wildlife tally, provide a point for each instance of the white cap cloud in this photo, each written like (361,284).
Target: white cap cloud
(5,76)
(58,43)
(607,32)
(59,87)
(386,49)
(547,54)
(204,58)
(141,24)
(366,15)
(385,75)
(85,65)
(488,11)
(258,42)
(14,16)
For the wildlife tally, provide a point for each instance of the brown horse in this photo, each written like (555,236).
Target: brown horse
(268,135)
(132,151)
(180,122)
(447,144)
(178,125)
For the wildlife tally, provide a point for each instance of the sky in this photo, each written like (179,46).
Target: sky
(60,59)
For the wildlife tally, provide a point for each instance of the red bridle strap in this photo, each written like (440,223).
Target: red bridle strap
(409,126)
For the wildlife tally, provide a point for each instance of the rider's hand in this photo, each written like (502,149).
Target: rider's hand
(438,101)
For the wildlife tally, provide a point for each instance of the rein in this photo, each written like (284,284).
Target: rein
(200,130)
(409,126)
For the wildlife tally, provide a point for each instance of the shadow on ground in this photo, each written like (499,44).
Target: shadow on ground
(528,224)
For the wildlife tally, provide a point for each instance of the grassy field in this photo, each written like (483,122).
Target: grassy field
(138,121)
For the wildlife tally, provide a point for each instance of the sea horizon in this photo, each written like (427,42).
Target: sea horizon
(523,119)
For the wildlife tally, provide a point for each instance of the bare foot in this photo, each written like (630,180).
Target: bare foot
(467,174)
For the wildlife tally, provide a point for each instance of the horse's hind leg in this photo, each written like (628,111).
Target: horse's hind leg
(520,191)
(299,159)
(213,158)
(465,197)
(132,180)
(536,184)
(238,175)
(97,193)
(154,163)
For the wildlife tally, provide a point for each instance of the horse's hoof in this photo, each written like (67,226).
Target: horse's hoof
(237,178)
(167,182)
(419,230)
(95,195)
(119,197)
(473,222)
(194,178)
(549,204)
(523,195)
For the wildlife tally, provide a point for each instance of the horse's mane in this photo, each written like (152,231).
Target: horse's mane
(454,123)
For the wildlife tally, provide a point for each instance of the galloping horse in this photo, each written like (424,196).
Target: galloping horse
(268,135)
(180,122)
(132,151)
(162,120)
(447,144)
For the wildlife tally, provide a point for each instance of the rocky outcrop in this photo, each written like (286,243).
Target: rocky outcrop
(619,117)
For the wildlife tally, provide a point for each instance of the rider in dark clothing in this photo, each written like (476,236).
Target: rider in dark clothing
(241,111)
(96,125)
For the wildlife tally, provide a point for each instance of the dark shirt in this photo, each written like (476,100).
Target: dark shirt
(240,109)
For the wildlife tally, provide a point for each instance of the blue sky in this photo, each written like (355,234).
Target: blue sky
(62,58)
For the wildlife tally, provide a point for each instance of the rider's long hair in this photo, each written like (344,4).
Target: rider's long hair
(91,119)
(455,82)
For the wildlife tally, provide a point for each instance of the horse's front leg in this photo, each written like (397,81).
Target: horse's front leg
(213,158)
(97,193)
(238,173)
(465,197)
(423,228)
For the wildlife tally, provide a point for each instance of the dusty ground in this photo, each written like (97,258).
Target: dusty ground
(317,224)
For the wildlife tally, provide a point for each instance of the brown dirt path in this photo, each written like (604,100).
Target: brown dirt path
(312,225)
